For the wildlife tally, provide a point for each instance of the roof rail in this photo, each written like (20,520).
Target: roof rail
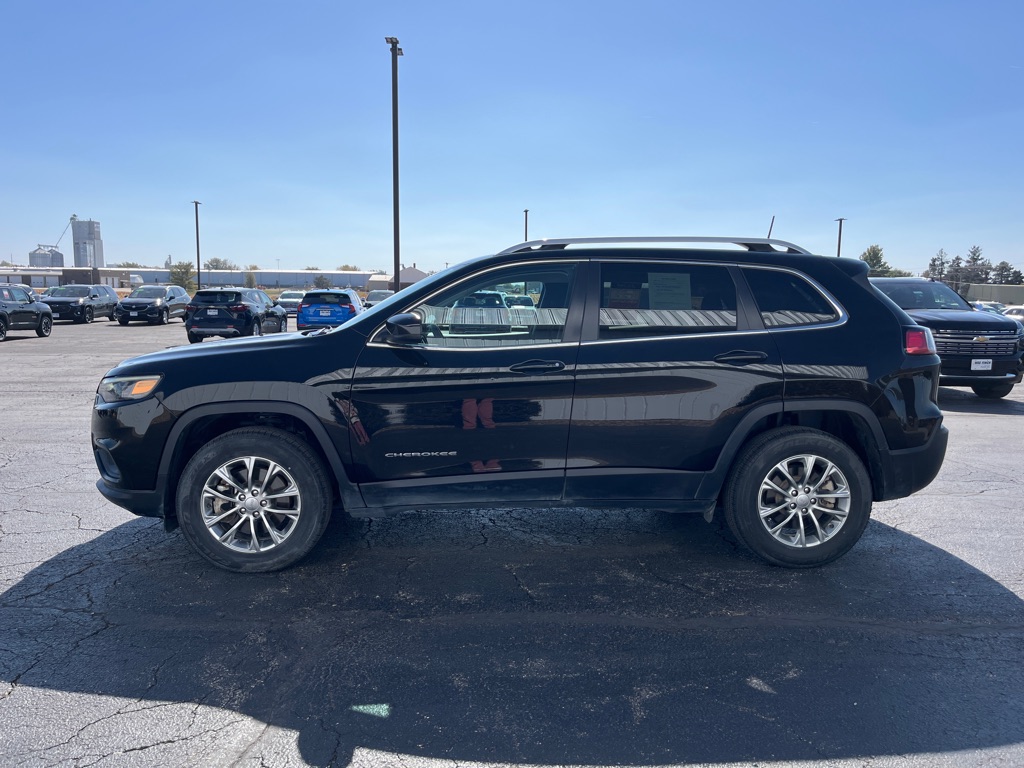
(749,243)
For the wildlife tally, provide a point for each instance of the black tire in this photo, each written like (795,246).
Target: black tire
(3,329)
(45,326)
(111,317)
(87,315)
(257,328)
(800,532)
(284,324)
(193,338)
(993,391)
(122,320)
(224,530)
(165,317)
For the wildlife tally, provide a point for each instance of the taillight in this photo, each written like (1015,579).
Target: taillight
(237,308)
(919,341)
(303,305)
(191,308)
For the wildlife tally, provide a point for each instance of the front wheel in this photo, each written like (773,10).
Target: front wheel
(87,315)
(254,499)
(45,326)
(797,497)
(257,328)
(3,329)
(993,391)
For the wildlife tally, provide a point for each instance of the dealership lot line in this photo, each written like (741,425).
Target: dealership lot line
(481,637)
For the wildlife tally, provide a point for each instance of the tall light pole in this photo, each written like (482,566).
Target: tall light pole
(395,53)
(526,224)
(839,245)
(199,282)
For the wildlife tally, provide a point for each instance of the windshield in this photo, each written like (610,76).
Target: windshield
(378,295)
(71,291)
(148,292)
(291,294)
(924,295)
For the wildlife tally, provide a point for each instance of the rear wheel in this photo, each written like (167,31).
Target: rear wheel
(45,326)
(194,338)
(257,328)
(798,497)
(3,329)
(254,499)
(993,391)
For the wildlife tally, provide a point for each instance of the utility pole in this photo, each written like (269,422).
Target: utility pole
(526,224)
(395,53)
(199,282)
(839,245)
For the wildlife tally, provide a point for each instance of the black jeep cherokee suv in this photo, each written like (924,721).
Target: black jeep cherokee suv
(980,350)
(772,384)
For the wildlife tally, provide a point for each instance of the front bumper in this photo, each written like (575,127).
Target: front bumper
(138,313)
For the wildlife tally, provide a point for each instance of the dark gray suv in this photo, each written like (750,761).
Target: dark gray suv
(762,383)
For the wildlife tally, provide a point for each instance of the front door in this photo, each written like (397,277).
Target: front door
(478,409)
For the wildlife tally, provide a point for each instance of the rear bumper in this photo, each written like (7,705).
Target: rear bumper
(908,471)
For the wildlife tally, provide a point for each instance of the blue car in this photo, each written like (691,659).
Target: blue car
(324,308)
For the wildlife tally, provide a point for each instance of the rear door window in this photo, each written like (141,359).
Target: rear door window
(646,299)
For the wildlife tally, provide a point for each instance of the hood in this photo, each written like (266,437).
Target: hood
(65,299)
(962,320)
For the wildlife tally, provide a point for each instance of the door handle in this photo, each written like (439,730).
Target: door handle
(538,366)
(741,357)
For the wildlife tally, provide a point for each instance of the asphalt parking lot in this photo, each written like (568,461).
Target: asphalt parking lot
(484,637)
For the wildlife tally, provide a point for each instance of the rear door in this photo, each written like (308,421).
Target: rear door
(669,364)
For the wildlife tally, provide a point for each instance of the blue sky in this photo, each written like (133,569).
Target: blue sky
(640,118)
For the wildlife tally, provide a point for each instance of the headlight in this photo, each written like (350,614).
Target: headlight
(81,301)
(119,389)
(158,303)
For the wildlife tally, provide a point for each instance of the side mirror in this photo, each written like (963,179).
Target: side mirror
(405,328)
(94,296)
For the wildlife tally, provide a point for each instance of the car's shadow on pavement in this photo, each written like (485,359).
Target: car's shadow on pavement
(623,637)
(965,401)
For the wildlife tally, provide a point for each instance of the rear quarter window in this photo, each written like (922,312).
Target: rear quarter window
(786,300)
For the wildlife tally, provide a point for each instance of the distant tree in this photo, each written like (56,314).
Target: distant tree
(250,275)
(183,274)
(6,263)
(937,266)
(955,273)
(1016,278)
(893,272)
(216,263)
(977,268)
(312,269)
(321,281)
(348,268)
(1001,273)
(875,261)
(130,265)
